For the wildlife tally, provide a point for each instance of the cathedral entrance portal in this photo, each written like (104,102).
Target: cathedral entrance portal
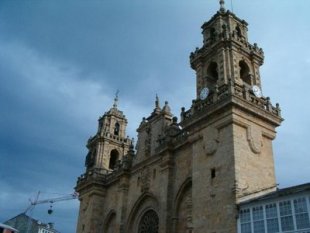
(149,222)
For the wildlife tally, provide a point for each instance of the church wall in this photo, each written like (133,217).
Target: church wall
(182,195)
(213,182)
(253,153)
(111,203)
(144,193)
(183,166)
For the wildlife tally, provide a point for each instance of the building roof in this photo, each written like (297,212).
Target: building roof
(280,193)
(8,227)
(22,222)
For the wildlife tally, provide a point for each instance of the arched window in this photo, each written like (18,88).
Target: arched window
(245,72)
(110,225)
(212,75)
(113,159)
(238,30)
(184,206)
(90,158)
(149,222)
(212,34)
(116,128)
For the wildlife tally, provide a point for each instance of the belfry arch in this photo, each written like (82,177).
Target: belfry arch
(245,73)
(116,128)
(212,75)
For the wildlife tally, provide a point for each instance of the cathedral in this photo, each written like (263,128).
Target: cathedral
(211,170)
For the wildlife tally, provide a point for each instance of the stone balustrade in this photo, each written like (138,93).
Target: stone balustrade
(225,91)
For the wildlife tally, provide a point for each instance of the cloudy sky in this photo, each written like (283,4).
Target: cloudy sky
(62,61)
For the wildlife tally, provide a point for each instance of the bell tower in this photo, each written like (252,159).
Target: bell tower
(226,55)
(232,122)
(106,150)
(110,143)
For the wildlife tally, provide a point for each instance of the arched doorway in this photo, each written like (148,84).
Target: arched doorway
(149,222)
(144,209)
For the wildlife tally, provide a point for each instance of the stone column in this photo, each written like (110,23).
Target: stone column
(166,192)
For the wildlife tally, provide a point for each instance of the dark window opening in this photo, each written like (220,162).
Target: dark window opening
(90,158)
(212,34)
(213,173)
(238,30)
(116,128)
(245,72)
(212,75)
(113,159)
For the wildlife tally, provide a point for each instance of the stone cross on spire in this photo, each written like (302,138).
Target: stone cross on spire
(157,102)
(157,108)
(116,99)
(222,3)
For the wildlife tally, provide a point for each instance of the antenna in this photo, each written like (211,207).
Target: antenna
(232,7)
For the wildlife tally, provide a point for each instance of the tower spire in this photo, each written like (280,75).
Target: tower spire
(222,3)
(157,108)
(157,102)
(116,99)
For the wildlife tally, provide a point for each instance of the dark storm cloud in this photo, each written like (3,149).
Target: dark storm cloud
(101,36)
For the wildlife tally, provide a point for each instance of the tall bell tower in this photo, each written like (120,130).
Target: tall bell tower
(233,124)
(226,55)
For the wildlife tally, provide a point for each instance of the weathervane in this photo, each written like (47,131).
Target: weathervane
(157,102)
(116,99)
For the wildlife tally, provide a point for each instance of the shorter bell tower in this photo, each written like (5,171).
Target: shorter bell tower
(110,143)
(106,150)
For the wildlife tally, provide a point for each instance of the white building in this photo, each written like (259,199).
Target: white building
(285,210)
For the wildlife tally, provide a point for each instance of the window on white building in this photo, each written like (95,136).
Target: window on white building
(282,216)
(301,213)
(272,218)
(286,215)
(258,219)
(245,220)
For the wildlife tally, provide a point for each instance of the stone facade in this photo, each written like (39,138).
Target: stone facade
(187,176)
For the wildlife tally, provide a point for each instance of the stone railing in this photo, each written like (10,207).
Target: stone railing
(94,174)
(173,141)
(109,136)
(104,175)
(223,92)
